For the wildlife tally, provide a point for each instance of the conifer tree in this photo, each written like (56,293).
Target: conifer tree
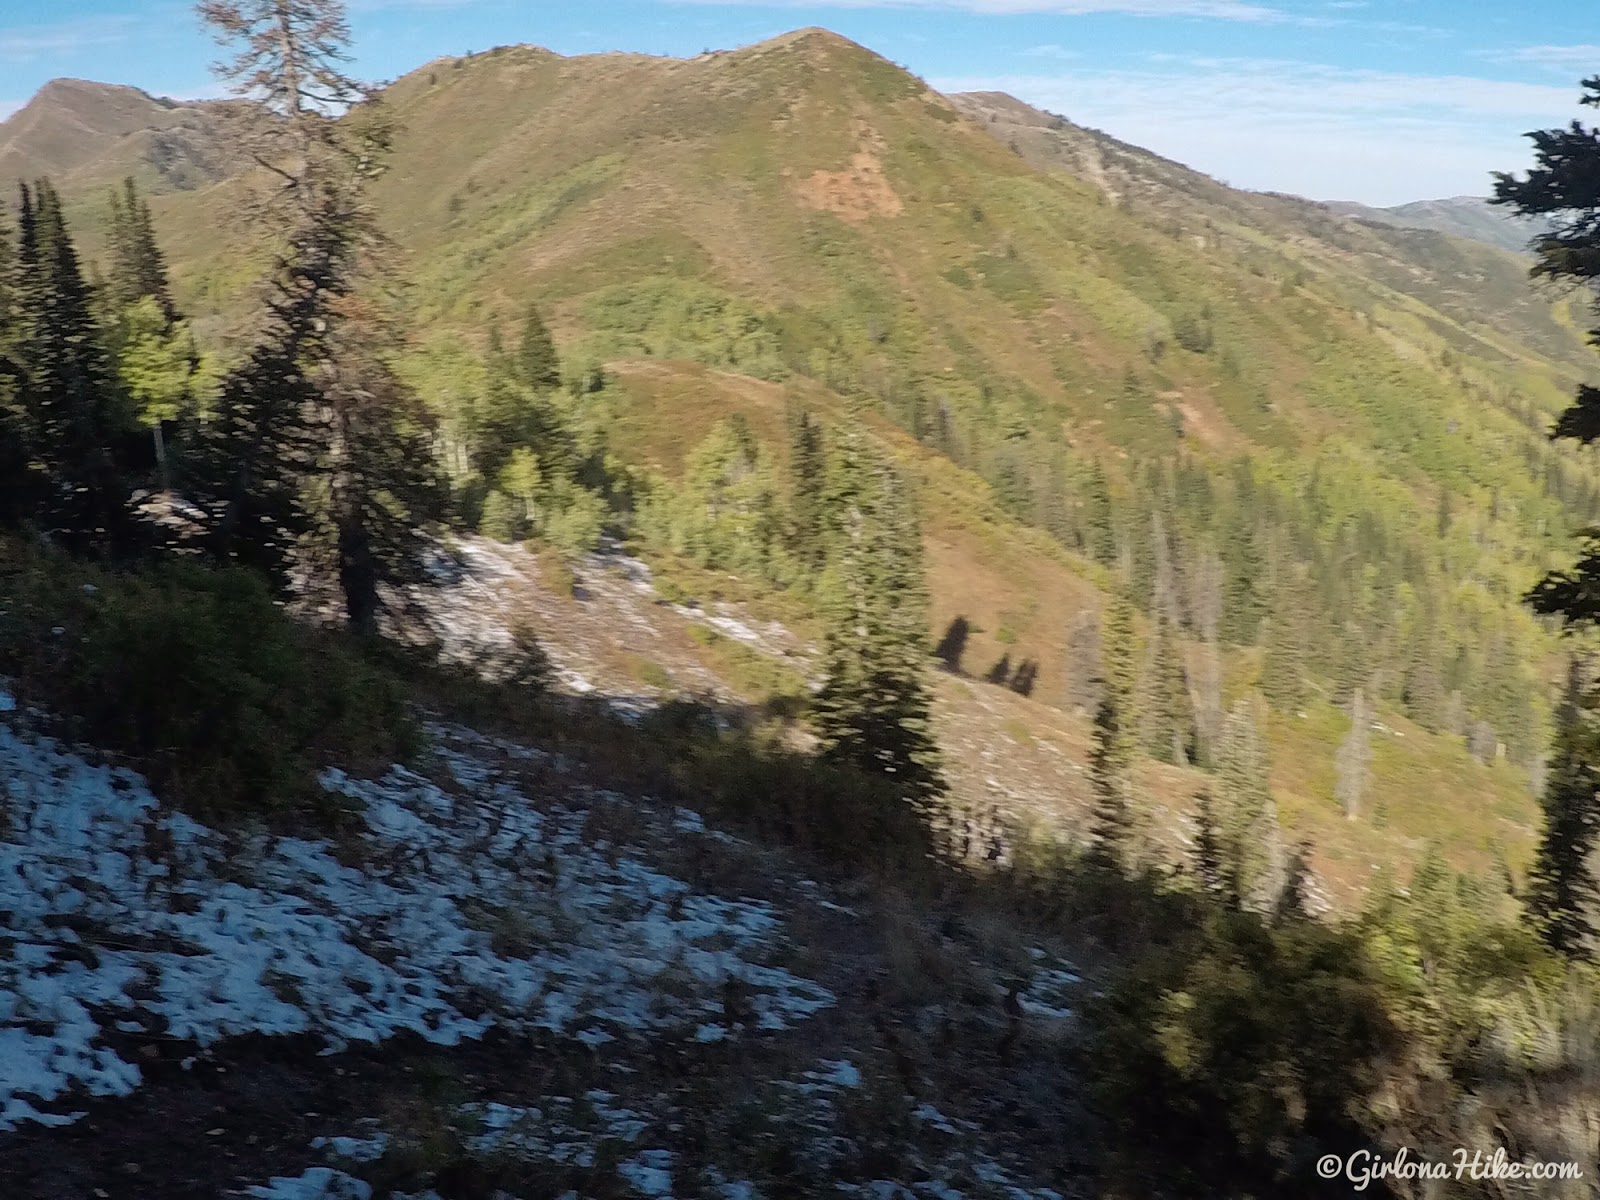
(538,366)
(1111,755)
(1208,852)
(1110,759)
(1165,724)
(155,355)
(1243,569)
(17,477)
(1099,528)
(1562,890)
(872,711)
(138,268)
(1252,842)
(808,482)
(341,448)
(69,395)
(1283,680)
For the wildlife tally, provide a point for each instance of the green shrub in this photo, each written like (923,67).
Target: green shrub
(228,706)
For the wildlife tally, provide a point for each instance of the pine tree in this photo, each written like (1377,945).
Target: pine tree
(18,496)
(79,428)
(1099,528)
(1111,824)
(1243,571)
(538,366)
(138,268)
(872,711)
(1111,755)
(1283,680)
(1208,851)
(155,355)
(1165,723)
(344,464)
(1252,842)
(808,482)
(1562,888)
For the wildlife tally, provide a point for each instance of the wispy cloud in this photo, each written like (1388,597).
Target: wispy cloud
(25,43)
(7,107)
(1220,10)
(1565,58)
(1051,51)
(1321,131)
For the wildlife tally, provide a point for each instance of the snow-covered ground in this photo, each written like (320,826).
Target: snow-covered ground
(458,903)
(454,908)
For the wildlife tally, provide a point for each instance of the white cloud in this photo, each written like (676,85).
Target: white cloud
(1051,51)
(1315,130)
(7,107)
(1574,58)
(1221,10)
(24,43)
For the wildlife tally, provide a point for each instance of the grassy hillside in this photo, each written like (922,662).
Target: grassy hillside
(1073,344)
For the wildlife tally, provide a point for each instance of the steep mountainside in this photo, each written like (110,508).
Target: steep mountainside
(1311,448)
(84,134)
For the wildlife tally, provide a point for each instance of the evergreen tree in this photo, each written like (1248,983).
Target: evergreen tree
(1112,752)
(808,482)
(1283,680)
(1111,823)
(872,711)
(1208,852)
(155,355)
(344,460)
(77,424)
(1099,527)
(138,268)
(1243,570)
(1562,887)
(1165,723)
(1251,840)
(538,366)
(17,478)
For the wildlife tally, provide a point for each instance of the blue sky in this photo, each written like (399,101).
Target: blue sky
(1376,100)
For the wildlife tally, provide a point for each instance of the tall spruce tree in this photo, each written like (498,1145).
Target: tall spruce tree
(79,429)
(872,711)
(17,477)
(1112,751)
(138,268)
(341,470)
(538,365)
(1166,722)
(808,483)
(1209,866)
(1562,890)
(1244,568)
(1251,838)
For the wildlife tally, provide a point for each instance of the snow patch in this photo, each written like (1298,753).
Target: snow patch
(463,913)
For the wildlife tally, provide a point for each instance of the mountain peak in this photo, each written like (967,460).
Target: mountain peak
(812,36)
(71,123)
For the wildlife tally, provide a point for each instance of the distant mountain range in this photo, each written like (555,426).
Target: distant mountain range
(1460,216)
(85,133)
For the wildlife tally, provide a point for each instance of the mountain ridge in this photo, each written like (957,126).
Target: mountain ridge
(1022,308)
